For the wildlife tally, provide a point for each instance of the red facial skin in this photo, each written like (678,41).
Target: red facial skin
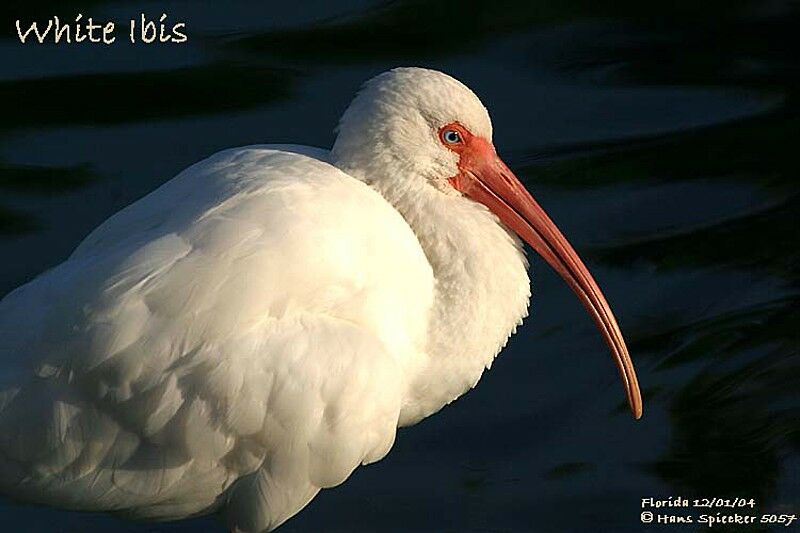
(484,178)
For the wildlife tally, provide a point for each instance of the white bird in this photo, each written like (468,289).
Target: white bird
(260,325)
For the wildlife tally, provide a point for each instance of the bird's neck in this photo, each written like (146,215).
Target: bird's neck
(482,291)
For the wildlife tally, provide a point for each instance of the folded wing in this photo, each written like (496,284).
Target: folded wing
(238,336)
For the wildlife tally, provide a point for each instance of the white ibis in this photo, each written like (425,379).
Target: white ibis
(260,325)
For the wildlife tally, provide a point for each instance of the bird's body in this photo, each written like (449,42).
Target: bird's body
(254,330)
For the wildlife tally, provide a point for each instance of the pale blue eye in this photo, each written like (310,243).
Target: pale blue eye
(451,137)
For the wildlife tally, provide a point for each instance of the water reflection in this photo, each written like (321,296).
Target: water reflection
(157,95)
(735,419)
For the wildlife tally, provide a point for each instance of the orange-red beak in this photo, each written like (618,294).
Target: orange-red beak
(486,179)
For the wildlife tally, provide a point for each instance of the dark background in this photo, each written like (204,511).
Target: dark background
(661,136)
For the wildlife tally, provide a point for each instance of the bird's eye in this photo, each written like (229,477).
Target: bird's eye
(451,137)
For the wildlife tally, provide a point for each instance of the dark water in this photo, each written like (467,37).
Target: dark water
(662,136)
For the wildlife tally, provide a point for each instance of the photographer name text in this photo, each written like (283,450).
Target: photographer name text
(711,512)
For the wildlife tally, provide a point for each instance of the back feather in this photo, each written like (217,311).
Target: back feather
(239,336)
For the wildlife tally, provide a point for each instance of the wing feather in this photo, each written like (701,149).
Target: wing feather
(233,336)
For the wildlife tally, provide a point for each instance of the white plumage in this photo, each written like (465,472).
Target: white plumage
(260,325)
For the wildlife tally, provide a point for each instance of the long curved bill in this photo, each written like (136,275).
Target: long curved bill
(489,181)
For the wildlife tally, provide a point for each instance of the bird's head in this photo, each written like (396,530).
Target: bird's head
(431,129)
(398,120)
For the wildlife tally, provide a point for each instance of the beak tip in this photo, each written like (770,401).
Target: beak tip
(635,403)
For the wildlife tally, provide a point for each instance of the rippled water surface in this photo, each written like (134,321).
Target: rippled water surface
(662,136)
